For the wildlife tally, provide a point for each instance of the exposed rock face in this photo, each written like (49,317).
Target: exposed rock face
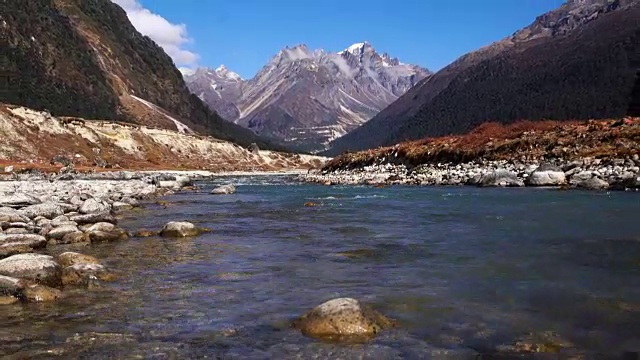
(85,59)
(587,49)
(342,319)
(308,98)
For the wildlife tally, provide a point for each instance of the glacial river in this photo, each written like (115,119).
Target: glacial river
(464,270)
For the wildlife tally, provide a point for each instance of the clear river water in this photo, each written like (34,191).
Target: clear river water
(463,270)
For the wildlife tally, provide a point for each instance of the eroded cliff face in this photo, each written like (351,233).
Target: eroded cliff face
(34,138)
(84,58)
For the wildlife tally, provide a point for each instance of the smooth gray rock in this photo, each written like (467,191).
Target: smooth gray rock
(546,178)
(59,232)
(92,206)
(500,177)
(37,267)
(594,184)
(33,240)
(48,209)
(18,200)
(179,229)
(93,218)
(11,215)
(101,226)
(121,206)
(10,286)
(224,190)
(16,231)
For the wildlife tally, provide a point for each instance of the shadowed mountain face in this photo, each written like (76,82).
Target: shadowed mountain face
(308,98)
(576,62)
(84,58)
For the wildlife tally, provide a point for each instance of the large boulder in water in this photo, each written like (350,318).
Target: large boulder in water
(547,175)
(342,319)
(179,229)
(224,190)
(40,268)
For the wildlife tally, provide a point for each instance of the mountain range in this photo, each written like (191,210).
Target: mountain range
(308,98)
(84,58)
(579,61)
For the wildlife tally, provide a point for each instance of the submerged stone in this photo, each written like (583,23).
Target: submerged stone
(342,319)
(224,190)
(179,229)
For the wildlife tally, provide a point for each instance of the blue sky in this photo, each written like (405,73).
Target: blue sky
(245,34)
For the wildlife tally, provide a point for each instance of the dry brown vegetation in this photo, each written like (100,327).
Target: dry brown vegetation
(524,139)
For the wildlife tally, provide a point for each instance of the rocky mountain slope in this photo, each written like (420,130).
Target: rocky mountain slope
(84,58)
(577,62)
(309,97)
(34,139)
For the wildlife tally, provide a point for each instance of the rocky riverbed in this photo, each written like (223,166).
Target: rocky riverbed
(39,211)
(587,173)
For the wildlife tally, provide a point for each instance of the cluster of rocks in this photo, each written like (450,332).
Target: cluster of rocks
(588,173)
(36,214)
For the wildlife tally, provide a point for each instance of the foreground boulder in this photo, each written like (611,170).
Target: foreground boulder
(224,190)
(179,229)
(37,267)
(342,319)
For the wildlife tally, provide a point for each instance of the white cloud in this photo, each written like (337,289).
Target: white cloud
(172,37)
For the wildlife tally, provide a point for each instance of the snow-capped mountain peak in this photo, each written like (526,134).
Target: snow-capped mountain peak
(309,97)
(226,73)
(357,48)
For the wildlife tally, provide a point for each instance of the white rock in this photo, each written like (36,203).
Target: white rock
(223,190)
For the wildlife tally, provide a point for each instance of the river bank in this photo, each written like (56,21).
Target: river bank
(588,173)
(39,211)
(602,154)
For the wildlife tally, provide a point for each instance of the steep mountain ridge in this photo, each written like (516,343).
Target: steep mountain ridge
(568,64)
(309,97)
(84,58)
